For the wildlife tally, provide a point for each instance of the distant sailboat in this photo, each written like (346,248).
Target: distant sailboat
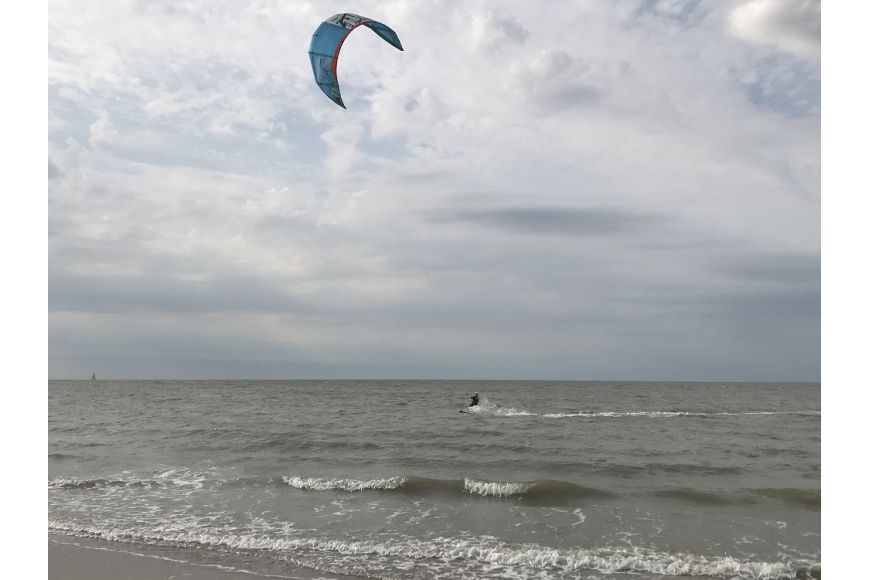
(94,377)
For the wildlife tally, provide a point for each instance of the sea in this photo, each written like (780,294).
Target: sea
(388,479)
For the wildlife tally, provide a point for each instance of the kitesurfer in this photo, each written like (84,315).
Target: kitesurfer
(475,400)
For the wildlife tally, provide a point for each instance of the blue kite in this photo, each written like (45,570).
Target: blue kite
(326,44)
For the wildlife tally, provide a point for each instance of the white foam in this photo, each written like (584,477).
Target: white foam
(63,482)
(182,478)
(464,553)
(486,407)
(804,413)
(185,479)
(495,488)
(325,483)
(72,483)
(670,414)
(513,413)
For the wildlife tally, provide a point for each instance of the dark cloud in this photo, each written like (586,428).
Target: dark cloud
(553,220)
(793,26)
(685,12)
(798,18)
(787,269)
(560,98)
(558,82)
(731,306)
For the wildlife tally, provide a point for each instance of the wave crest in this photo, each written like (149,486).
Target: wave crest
(70,483)
(495,488)
(325,483)
(537,492)
(181,478)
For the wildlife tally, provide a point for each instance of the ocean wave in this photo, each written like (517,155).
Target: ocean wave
(805,498)
(296,444)
(545,492)
(496,488)
(701,497)
(61,456)
(181,478)
(70,483)
(464,556)
(325,483)
(634,471)
(538,492)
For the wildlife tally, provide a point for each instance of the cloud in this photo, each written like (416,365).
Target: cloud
(170,293)
(102,132)
(491,31)
(581,222)
(53,171)
(790,25)
(796,270)
(556,81)
(507,197)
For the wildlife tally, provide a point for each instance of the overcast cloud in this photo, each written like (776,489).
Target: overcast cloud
(590,190)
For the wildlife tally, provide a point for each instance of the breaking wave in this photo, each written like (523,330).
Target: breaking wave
(465,556)
(324,483)
(161,479)
(69,483)
(539,491)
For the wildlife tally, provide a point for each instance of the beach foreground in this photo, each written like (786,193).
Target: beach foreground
(81,560)
(84,559)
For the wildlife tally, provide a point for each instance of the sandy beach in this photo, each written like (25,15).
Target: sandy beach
(82,559)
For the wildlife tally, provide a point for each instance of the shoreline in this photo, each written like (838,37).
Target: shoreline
(73,558)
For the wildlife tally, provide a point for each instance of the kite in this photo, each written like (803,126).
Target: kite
(326,43)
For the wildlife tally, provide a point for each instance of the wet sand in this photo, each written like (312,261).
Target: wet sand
(78,559)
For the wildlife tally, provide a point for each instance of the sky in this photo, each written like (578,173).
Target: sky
(623,190)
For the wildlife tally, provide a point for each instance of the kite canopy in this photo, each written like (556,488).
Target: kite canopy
(326,44)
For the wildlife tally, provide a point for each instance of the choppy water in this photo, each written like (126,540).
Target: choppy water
(386,479)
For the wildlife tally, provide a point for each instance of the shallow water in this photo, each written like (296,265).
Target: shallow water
(387,479)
